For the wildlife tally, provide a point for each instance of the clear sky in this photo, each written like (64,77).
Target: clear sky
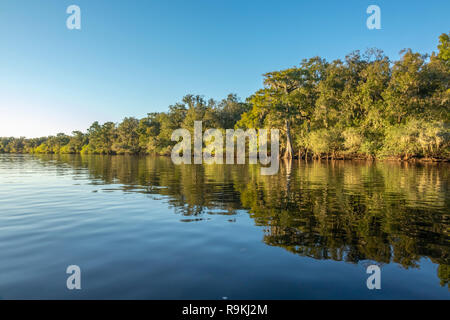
(138,56)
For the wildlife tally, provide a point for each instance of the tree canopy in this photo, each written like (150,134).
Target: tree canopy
(364,106)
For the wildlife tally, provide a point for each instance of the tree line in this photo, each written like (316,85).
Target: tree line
(363,106)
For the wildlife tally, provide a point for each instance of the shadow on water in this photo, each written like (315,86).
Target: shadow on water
(387,212)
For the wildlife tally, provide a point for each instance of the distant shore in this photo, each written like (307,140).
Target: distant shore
(363,106)
(337,158)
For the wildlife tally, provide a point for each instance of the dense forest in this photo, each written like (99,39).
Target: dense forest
(364,106)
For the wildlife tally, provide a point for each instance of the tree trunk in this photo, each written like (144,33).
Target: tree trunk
(289,153)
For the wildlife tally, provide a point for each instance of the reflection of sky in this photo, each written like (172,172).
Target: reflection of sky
(58,211)
(131,58)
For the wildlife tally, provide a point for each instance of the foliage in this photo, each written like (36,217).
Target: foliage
(363,106)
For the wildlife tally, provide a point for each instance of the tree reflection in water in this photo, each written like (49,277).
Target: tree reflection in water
(388,212)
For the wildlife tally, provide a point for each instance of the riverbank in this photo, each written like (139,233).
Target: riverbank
(296,157)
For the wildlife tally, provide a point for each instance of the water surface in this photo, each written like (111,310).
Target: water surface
(143,228)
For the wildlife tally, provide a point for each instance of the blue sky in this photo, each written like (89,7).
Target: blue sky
(138,56)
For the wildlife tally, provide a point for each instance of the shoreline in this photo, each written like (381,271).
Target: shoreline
(388,159)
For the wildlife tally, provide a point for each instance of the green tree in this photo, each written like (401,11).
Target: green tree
(127,140)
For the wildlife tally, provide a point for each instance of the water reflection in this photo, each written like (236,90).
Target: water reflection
(344,211)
